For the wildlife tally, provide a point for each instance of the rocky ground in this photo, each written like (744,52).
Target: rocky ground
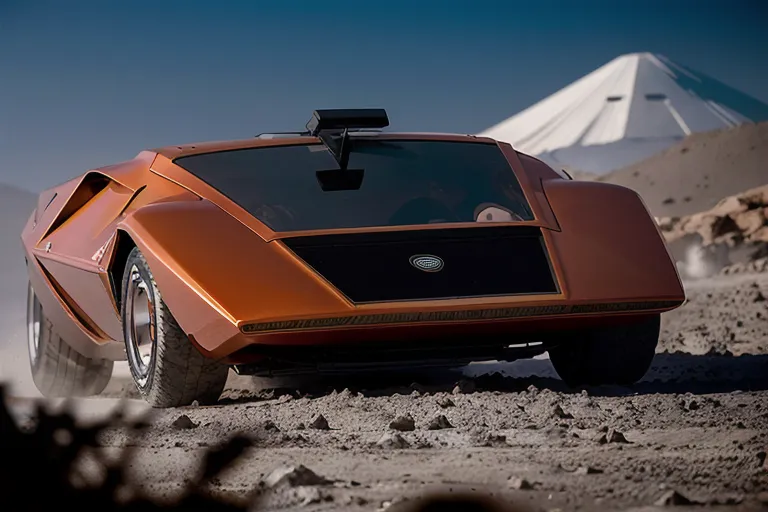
(732,234)
(694,431)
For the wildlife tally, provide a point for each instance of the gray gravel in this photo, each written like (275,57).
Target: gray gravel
(694,430)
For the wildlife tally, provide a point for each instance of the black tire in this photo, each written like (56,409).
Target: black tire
(616,355)
(57,369)
(172,372)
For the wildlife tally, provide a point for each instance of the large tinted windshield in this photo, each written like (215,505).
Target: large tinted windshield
(404,182)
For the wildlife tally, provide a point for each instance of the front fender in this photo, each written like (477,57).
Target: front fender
(214,272)
(609,246)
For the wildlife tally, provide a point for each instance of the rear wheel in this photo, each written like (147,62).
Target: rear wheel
(167,369)
(57,369)
(609,355)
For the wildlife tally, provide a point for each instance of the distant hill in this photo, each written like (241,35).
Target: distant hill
(696,173)
(16,205)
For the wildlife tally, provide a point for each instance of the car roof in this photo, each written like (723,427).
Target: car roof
(178,151)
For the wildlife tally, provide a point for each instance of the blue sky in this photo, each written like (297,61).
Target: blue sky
(88,83)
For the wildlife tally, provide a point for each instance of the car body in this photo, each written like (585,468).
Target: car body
(258,264)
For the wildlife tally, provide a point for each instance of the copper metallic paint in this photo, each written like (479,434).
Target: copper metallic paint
(219,268)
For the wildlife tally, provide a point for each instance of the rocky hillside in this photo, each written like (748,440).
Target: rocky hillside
(735,231)
(696,173)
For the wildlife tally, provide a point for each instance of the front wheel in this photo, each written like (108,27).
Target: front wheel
(619,354)
(58,370)
(167,369)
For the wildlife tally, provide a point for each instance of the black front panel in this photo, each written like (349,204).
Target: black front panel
(476,262)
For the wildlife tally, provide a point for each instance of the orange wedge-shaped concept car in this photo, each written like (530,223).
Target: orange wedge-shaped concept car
(338,248)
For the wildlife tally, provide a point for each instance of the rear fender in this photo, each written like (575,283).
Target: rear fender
(70,322)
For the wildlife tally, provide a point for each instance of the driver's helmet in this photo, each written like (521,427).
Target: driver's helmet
(494,213)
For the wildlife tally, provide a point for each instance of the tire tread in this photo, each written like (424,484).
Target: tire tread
(180,373)
(619,355)
(61,371)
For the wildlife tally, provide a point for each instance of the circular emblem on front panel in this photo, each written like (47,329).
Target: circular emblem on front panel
(427,262)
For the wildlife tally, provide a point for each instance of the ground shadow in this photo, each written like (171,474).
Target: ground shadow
(671,373)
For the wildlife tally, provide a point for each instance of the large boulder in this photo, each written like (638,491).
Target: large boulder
(734,231)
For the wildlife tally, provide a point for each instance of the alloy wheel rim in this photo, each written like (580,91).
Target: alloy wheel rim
(34,322)
(140,335)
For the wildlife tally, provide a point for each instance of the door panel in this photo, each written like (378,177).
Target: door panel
(91,292)
(73,253)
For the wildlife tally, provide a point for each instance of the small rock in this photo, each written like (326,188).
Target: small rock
(521,484)
(673,498)
(403,423)
(194,403)
(284,398)
(761,457)
(421,444)
(312,495)
(560,413)
(387,504)
(690,404)
(491,439)
(587,470)
(183,422)
(446,402)
(355,500)
(392,440)
(320,423)
(301,426)
(270,425)
(759,297)
(294,476)
(612,436)
(439,423)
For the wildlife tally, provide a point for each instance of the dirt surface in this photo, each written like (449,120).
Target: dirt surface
(693,175)
(695,428)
